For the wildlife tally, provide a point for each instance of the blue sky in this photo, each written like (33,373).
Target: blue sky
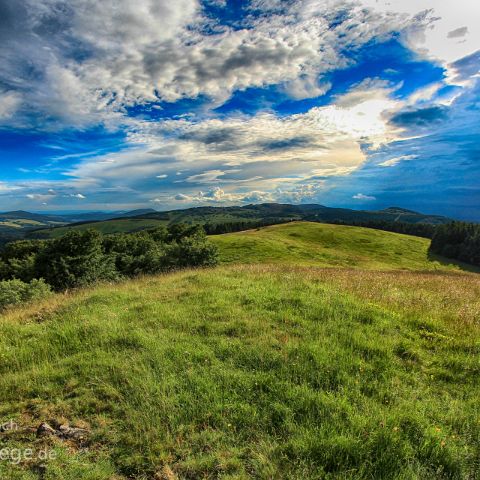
(363,104)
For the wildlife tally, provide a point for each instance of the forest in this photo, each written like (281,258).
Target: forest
(458,240)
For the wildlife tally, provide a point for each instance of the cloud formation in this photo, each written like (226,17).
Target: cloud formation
(361,196)
(83,62)
(124,104)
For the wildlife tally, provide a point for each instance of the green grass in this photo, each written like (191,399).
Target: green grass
(25,223)
(316,244)
(106,227)
(10,224)
(240,372)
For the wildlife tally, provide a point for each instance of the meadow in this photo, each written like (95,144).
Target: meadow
(317,244)
(106,227)
(269,366)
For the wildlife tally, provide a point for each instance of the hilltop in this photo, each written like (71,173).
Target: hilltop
(316,244)
(314,351)
(249,214)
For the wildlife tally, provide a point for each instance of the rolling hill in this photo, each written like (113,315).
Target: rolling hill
(16,224)
(316,244)
(20,219)
(107,227)
(20,222)
(267,213)
(267,366)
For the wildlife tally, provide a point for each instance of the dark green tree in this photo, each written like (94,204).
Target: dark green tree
(74,260)
(18,260)
(458,240)
(193,251)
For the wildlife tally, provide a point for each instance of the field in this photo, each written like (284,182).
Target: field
(266,213)
(316,244)
(106,227)
(264,370)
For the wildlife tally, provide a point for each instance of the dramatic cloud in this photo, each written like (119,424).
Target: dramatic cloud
(115,104)
(244,154)
(420,116)
(437,170)
(83,62)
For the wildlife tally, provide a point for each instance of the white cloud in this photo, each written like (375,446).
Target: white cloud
(218,195)
(306,87)
(40,197)
(458,15)
(7,187)
(205,177)
(361,196)
(9,102)
(94,59)
(394,161)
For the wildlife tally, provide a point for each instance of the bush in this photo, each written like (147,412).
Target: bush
(80,258)
(74,260)
(193,251)
(136,253)
(13,292)
(18,260)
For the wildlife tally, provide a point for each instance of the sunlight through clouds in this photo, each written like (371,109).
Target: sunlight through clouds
(267,100)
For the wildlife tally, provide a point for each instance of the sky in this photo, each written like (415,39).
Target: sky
(118,105)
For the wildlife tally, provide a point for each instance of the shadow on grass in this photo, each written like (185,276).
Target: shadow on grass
(466,267)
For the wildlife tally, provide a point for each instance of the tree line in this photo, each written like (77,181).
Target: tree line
(29,268)
(241,225)
(458,240)
(425,230)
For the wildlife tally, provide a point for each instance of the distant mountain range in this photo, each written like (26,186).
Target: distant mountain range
(279,211)
(17,224)
(23,219)
(20,219)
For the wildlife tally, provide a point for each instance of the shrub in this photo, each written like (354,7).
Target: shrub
(74,260)
(80,258)
(18,260)
(13,292)
(136,253)
(193,251)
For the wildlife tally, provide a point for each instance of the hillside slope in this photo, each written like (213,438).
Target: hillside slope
(308,243)
(106,227)
(249,372)
(16,224)
(266,212)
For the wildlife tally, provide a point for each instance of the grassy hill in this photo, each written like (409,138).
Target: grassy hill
(249,372)
(267,367)
(267,213)
(308,243)
(15,225)
(119,225)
